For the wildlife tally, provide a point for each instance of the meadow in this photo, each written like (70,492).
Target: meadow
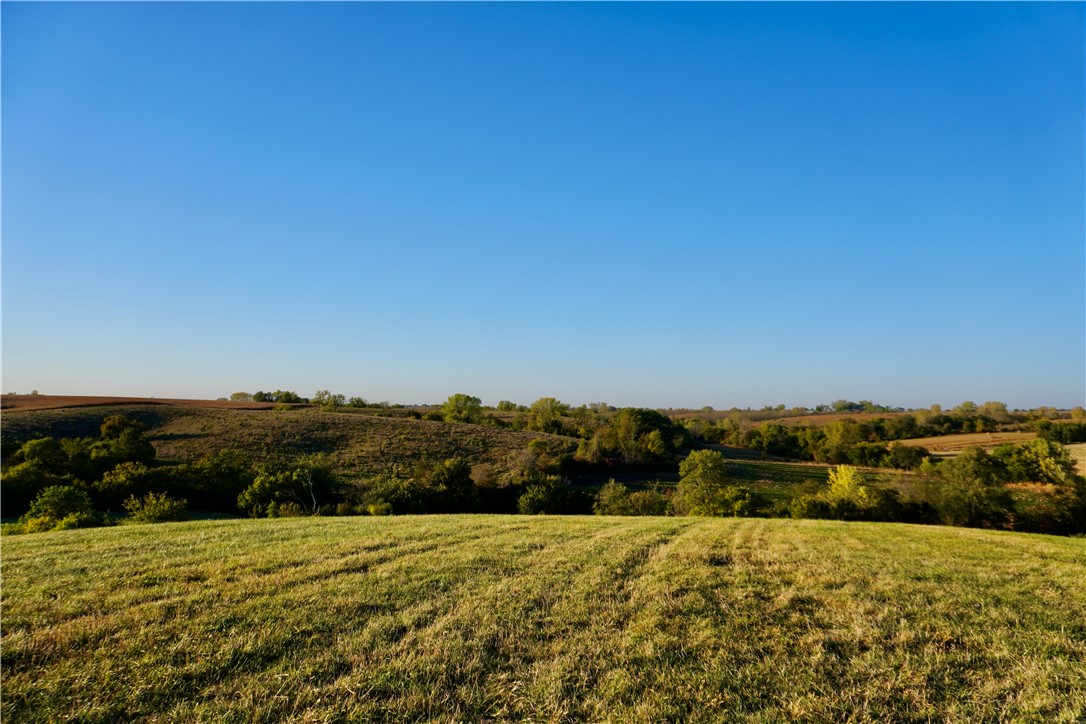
(439,618)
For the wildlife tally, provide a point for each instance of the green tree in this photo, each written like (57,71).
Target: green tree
(306,485)
(462,408)
(705,489)
(60,507)
(546,415)
(328,401)
(241,397)
(1037,461)
(45,453)
(971,491)
(453,489)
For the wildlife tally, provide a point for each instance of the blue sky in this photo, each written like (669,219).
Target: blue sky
(647,204)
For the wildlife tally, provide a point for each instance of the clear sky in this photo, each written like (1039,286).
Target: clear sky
(646,204)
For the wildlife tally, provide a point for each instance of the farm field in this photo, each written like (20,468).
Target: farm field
(947,445)
(59,402)
(573,618)
(1078,453)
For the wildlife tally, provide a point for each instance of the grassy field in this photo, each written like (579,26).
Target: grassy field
(473,618)
(1078,452)
(358,444)
(949,445)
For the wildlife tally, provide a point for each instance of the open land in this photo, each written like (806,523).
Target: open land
(543,618)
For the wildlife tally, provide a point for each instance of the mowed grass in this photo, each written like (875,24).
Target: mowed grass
(949,445)
(1078,454)
(451,618)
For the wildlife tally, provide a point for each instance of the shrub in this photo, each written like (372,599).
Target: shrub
(61,505)
(971,491)
(156,508)
(704,489)
(549,494)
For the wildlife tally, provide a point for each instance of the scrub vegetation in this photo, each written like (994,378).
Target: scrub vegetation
(351,457)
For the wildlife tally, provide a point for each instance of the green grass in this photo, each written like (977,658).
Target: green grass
(451,618)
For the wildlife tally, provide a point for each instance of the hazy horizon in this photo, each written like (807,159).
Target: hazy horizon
(660,205)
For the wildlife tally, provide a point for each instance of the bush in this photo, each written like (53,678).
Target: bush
(972,492)
(61,507)
(551,495)
(307,485)
(156,508)
(616,499)
(704,489)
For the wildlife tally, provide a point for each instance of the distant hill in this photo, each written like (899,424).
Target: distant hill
(358,445)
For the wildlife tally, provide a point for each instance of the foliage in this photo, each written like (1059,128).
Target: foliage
(156,508)
(549,494)
(705,489)
(971,491)
(616,499)
(635,437)
(462,408)
(545,415)
(1067,433)
(328,401)
(280,396)
(1038,460)
(307,484)
(60,507)
(848,496)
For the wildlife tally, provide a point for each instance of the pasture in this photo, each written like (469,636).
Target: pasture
(546,619)
(950,445)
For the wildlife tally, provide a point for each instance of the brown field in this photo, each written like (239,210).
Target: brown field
(953,444)
(1078,453)
(759,417)
(16,403)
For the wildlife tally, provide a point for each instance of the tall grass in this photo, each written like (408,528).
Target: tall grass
(551,619)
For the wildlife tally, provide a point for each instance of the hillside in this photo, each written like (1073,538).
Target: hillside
(358,444)
(506,617)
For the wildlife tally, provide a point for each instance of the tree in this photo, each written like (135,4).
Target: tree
(507,406)
(241,397)
(972,491)
(1037,461)
(462,408)
(124,481)
(546,415)
(704,488)
(44,453)
(453,488)
(847,486)
(616,499)
(60,507)
(327,401)
(305,486)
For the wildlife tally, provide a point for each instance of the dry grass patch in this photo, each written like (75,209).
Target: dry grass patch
(953,444)
(558,619)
